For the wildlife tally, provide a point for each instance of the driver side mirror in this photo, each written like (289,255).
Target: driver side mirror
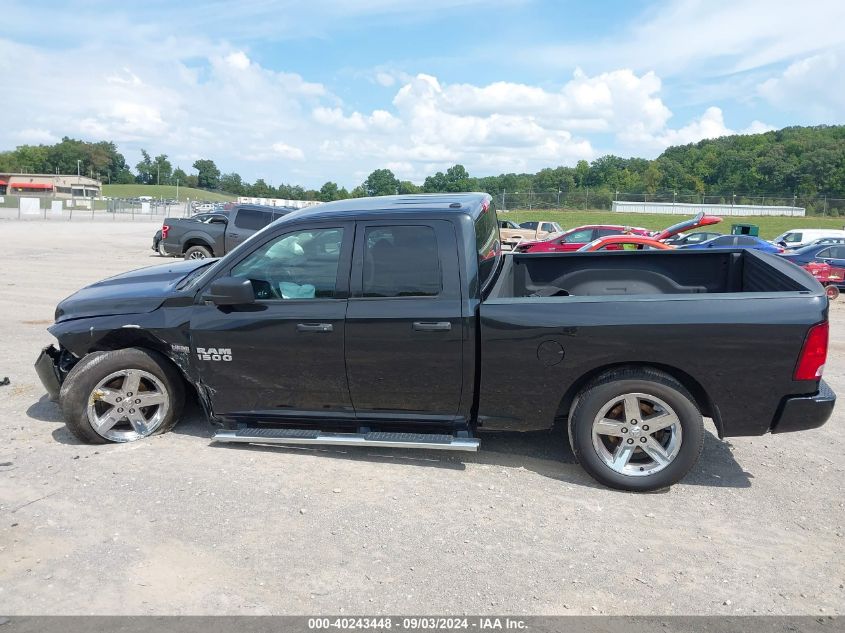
(230,291)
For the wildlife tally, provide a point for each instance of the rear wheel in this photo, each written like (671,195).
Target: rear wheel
(636,429)
(121,396)
(197,252)
(161,250)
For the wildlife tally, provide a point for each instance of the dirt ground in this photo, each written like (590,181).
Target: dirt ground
(176,525)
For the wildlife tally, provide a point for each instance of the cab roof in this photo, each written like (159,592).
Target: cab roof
(466,203)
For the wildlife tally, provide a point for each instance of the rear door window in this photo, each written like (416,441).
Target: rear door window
(401,261)
(252,219)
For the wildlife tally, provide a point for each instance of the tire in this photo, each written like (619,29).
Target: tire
(197,252)
(652,458)
(161,250)
(832,292)
(98,387)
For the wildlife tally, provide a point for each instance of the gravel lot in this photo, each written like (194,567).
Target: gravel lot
(175,525)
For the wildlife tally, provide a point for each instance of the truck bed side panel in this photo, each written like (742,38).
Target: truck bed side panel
(740,348)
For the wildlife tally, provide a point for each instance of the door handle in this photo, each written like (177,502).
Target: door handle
(432,326)
(234,234)
(314,327)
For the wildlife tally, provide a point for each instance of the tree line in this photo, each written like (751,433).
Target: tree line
(799,161)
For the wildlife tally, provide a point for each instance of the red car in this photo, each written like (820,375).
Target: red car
(625,242)
(573,239)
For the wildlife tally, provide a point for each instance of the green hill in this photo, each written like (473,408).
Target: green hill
(168,192)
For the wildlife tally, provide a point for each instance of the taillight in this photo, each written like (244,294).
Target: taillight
(164,229)
(813,354)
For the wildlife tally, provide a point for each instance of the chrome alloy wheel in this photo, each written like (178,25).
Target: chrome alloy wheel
(637,434)
(127,405)
(197,255)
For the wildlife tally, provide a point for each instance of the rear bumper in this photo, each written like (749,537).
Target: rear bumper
(800,413)
(174,250)
(47,368)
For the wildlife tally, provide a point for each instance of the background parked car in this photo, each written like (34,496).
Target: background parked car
(796,238)
(832,254)
(625,243)
(511,233)
(819,242)
(573,239)
(737,241)
(220,234)
(692,238)
(219,217)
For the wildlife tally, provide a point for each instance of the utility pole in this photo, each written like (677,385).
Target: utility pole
(177,191)
(158,174)
(586,198)
(78,176)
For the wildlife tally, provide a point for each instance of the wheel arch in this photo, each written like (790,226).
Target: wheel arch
(196,241)
(125,338)
(705,403)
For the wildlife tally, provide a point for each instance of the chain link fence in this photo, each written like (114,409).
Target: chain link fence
(29,207)
(587,199)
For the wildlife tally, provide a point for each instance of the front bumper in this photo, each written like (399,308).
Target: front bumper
(800,413)
(47,368)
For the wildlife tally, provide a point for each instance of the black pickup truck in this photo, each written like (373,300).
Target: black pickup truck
(398,321)
(217,233)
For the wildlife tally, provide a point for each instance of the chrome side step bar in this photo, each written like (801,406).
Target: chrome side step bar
(378,439)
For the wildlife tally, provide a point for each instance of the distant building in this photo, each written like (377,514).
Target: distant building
(53,185)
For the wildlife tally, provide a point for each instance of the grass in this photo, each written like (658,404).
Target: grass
(168,192)
(769,226)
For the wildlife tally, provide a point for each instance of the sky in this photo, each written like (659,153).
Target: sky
(307,92)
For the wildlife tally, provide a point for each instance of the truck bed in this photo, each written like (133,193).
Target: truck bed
(723,317)
(646,273)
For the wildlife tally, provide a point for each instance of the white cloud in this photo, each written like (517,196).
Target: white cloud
(711,124)
(35,135)
(812,84)
(288,151)
(189,97)
(715,37)
(385,79)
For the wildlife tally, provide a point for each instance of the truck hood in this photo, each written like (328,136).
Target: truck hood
(135,292)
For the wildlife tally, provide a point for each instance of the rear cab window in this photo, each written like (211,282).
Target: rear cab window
(487,245)
(252,219)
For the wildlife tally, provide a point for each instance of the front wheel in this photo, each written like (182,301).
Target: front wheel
(636,429)
(121,396)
